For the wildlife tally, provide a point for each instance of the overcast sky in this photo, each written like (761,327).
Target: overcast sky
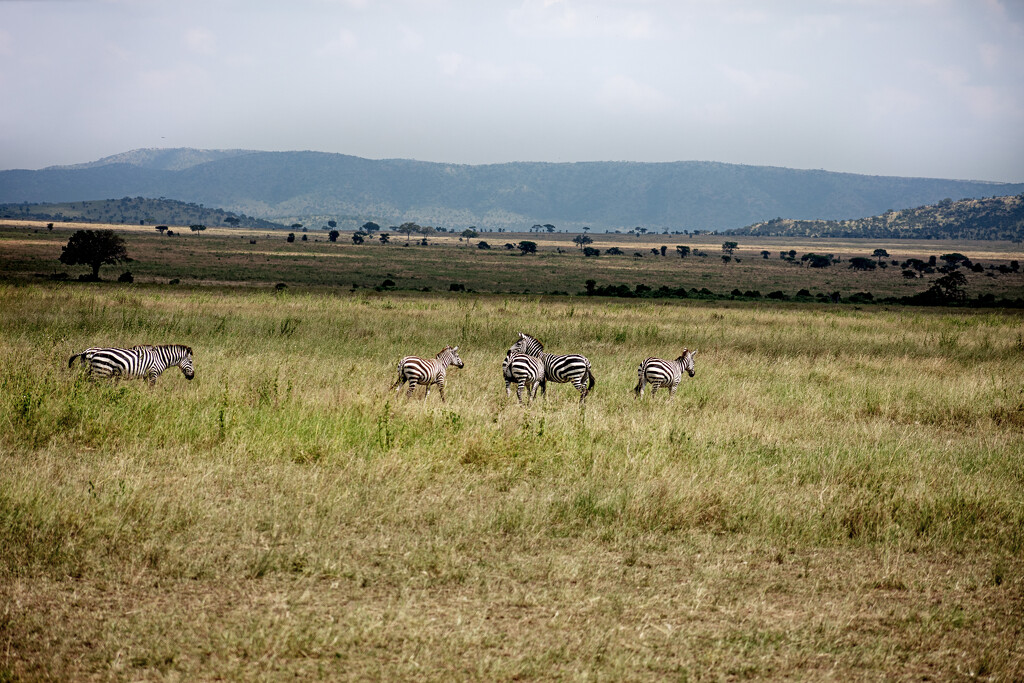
(930,88)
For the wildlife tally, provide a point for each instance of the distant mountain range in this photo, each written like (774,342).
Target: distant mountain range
(998,218)
(312,187)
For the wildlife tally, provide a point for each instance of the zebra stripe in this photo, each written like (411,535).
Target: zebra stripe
(572,368)
(523,370)
(136,362)
(659,372)
(423,371)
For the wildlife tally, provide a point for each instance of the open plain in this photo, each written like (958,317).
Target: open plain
(837,493)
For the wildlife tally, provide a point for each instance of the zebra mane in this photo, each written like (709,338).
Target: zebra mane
(526,337)
(441,352)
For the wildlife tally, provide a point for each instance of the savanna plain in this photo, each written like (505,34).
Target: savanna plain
(837,494)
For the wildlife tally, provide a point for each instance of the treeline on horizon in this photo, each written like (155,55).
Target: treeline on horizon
(992,218)
(134,211)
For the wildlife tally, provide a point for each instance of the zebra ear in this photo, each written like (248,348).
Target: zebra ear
(456,348)
(522,336)
(693,353)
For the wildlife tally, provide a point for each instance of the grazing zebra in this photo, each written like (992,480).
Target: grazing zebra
(427,371)
(526,371)
(659,373)
(136,362)
(566,368)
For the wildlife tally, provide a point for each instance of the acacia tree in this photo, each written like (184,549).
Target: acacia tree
(581,241)
(333,235)
(94,248)
(408,229)
(470,232)
(527,247)
(729,247)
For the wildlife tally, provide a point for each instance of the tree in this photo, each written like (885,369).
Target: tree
(333,235)
(527,247)
(358,237)
(233,221)
(664,250)
(369,227)
(291,237)
(198,227)
(482,245)
(296,225)
(469,233)
(94,248)
(581,241)
(161,229)
(683,251)
(880,253)
(332,224)
(950,287)
(549,227)
(862,263)
(384,238)
(765,254)
(408,229)
(590,251)
(586,229)
(729,247)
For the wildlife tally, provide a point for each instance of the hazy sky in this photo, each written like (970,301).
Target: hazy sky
(929,88)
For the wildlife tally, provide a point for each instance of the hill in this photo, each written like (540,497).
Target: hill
(968,219)
(313,186)
(134,211)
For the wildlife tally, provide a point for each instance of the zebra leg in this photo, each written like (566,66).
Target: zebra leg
(639,390)
(519,390)
(508,389)
(654,388)
(440,390)
(412,388)
(582,388)
(672,389)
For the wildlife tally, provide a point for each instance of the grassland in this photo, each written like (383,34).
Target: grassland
(227,256)
(837,494)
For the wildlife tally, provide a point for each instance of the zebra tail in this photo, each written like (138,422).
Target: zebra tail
(592,379)
(71,361)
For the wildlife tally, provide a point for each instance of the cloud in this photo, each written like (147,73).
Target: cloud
(567,19)
(469,72)
(621,93)
(758,82)
(200,41)
(343,42)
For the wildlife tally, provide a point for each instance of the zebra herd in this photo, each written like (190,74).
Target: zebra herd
(529,367)
(526,365)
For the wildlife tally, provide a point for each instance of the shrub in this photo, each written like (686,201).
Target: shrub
(126,276)
(591,251)
(482,245)
(614,251)
(862,263)
(456,287)
(777,295)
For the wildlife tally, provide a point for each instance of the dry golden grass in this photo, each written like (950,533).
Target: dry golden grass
(835,495)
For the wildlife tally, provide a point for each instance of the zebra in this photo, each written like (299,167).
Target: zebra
(526,371)
(558,368)
(658,373)
(136,362)
(427,371)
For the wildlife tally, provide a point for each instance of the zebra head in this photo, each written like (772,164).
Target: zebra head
(450,356)
(686,361)
(526,344)
(186,363)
